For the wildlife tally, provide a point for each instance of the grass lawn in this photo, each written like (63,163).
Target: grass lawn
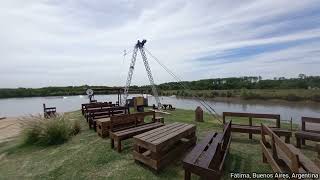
(87,156)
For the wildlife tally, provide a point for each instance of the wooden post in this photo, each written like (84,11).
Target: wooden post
(187,175)
(199,114)
(250,124)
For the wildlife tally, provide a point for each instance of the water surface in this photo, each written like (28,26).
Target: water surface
(25,106)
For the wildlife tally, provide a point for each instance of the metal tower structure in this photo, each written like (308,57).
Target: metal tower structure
(140,46)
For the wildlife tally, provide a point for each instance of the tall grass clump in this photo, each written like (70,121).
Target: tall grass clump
(55,130)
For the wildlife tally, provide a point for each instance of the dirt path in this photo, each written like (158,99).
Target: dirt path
(9,128)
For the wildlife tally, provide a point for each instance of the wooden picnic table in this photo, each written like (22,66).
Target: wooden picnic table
(158,147)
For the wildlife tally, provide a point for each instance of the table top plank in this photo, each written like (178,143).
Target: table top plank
(165,132)
(137,128)
(173,134)
(155,132)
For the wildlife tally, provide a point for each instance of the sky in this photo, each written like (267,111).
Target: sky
(77,42)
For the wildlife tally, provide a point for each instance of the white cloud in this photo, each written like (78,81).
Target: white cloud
(81,42)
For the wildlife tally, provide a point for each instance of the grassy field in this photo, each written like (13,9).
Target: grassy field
(283,94)
(87,156)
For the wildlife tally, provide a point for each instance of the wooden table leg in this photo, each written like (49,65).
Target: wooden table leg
(303,141)
(287,140)
(298,142)
(119,145)
(112,143)
(187,175)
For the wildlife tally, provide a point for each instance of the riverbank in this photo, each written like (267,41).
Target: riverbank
(302,95)
(87,156)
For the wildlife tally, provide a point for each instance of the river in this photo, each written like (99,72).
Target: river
(13,107)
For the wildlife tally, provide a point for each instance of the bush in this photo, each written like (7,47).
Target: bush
(41,131)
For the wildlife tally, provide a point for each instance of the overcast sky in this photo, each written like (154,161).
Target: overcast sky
(76,42)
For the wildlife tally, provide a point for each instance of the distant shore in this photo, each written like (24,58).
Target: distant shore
(291,95)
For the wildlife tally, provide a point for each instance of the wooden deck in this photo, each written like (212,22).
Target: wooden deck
(158,147)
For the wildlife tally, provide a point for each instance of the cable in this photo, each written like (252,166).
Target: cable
(199,99)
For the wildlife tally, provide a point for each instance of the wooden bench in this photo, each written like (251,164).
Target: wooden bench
(207,158)
(105,113)
(283,158)
(138,127)
(304,134)
(49,111)
(85,108)
(254,129)
(158,147)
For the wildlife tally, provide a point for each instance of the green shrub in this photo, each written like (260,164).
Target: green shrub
(56,130)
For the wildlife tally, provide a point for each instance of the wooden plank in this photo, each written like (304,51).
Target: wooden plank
(138,129)
(306,163)
(145,159)
(207,156)
(130,134)
(164,132)
(225,153)
(204,173)
(155,147)
(174,137)
(170,156)
(281,150)
(155,132)
(275,167)
(142,141)
(176,151)
(308,135)
(199,148)
(252,115)
(310,119)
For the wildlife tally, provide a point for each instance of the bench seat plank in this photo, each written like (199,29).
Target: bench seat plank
(207,158)
(199,148)
(308,135)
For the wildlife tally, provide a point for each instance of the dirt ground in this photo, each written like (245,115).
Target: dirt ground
(9,128)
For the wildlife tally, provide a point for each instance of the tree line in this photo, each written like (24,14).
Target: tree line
(232,83)
(247,82)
